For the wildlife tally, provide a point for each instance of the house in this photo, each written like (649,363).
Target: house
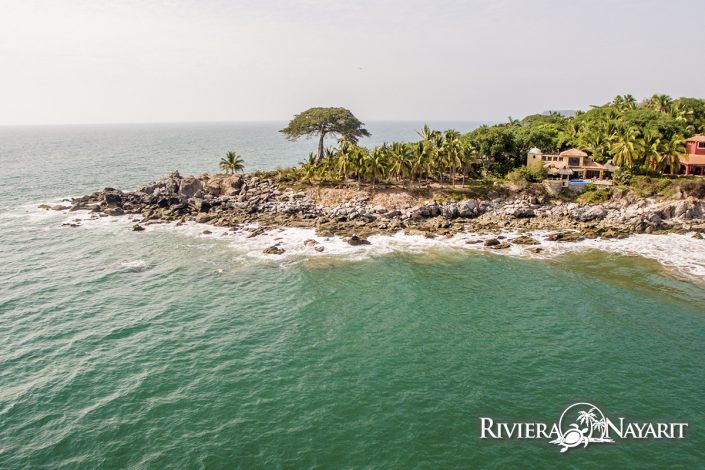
(571,164)
(694,162)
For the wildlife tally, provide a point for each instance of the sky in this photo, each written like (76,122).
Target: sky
(100,61)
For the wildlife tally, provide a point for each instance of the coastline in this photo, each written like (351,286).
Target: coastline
(277,221)
(238,200)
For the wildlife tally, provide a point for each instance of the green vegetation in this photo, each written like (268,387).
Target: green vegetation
(438,156)
(232,163)
(644,138)
(527,174)
(593,195)
(637,136)
(323,121)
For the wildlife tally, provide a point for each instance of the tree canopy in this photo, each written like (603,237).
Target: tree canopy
(634,134)
(323,121)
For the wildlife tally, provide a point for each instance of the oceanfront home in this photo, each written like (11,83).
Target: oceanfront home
(572,164)
(694,162)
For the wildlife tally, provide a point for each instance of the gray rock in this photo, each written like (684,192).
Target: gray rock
(190,186)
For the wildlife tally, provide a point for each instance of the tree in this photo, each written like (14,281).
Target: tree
(232,163)
(624,147)
(671,152)
(661,103)
(649,146)
(376,164)
(400,160)
(323,121)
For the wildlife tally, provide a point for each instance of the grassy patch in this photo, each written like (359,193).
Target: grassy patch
(597,196)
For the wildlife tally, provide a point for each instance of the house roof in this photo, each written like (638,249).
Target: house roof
(693,159)
(556,164)
(697,138)
(573,153)
(535,151)
(560,171)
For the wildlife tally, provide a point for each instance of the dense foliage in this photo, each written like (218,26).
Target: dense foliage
(323,121)
(641,136)
(438,156)
(644,137)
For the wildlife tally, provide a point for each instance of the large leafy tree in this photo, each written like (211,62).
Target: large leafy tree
(320,122)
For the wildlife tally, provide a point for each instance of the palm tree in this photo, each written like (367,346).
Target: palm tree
(468,156)
(661,103)
(587,417)
(345,155)
(426,133)
(671,153)
(436,162)
(376,163)
(400,160)
(418,160)
(310,166)
(629,102)
(232,163)
(623,149)
(596,143)
(679,113)
(649,145)
(453,149)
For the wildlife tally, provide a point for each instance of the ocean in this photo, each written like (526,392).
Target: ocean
(173,349)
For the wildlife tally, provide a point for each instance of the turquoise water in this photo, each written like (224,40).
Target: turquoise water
(162,349)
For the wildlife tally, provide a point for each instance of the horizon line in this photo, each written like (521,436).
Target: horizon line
(253,121)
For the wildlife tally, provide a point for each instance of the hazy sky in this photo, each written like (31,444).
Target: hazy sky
(93,61)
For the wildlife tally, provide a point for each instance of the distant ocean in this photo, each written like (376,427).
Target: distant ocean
(173,349)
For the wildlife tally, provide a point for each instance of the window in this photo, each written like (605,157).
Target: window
(701,145)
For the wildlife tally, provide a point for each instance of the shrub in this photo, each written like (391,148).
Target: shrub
(646,186)
(527,174)
(593,195)
(623,176)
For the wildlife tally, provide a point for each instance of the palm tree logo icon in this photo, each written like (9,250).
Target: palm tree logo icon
(589,426)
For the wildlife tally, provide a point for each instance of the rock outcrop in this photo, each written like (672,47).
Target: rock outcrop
(237,200)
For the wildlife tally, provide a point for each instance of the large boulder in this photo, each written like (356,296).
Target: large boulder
(468,209)
(169,184)
(113,197)
(588,213)
(190,186)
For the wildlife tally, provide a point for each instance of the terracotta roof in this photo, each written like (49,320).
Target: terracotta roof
(573,153)
(693,160)
(697,138)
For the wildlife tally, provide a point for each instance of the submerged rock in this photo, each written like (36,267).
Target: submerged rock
(354,240)
(491,242)
(500,246)
(525,240)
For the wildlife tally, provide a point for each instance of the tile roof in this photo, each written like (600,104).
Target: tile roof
(693,160)
(573,153)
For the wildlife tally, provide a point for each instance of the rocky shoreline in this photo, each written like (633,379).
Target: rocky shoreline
(241,200)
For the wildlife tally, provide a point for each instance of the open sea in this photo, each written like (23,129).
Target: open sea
(173,349)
